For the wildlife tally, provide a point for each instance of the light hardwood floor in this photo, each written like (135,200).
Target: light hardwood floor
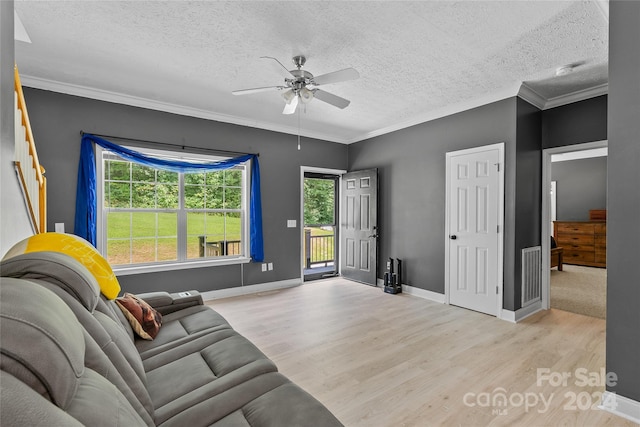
(396,360)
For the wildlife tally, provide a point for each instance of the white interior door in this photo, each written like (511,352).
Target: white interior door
(474,194)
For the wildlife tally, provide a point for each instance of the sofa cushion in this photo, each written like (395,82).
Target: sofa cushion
(182,327)
(57,268)
(110,352)
(77,248)
(144,319)
(41,413)
(265,400)
(44,346)
(34,322)
(210,364)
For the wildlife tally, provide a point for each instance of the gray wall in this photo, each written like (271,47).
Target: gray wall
(58,119)
(528,195)
(623,229)
(576,123)
(411,165)
(581,186)
(14,217)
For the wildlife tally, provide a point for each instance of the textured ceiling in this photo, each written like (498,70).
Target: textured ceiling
(417,60)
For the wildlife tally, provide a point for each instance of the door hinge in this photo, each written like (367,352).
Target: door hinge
(498,166)
(498,229)
(497,291)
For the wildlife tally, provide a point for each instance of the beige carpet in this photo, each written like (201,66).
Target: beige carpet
(581,290)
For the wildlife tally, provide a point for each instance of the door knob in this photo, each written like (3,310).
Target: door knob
(453,237)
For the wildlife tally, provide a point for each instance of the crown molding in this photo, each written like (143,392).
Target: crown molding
(576,96)
(135,101)
(532,97)
(499,95)
(521,90)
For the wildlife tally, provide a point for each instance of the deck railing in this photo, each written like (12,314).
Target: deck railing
(318,249)
(219,248)
(28,168)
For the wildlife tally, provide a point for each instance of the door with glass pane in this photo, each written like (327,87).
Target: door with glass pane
(320,218)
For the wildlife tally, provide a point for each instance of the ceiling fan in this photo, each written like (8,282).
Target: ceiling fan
(302,86)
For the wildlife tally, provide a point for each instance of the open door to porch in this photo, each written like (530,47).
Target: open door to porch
(320,216)
(359,226)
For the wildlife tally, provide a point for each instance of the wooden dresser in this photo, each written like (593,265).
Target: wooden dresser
(584,242)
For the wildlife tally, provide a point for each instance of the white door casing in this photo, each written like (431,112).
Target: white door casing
(547,227)
(474,228)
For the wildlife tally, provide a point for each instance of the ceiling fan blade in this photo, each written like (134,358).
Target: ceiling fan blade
(330,98)
(257,90)
(278,67)
(336,76)
(290,107)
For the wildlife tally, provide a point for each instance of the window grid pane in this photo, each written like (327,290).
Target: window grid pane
(142,207)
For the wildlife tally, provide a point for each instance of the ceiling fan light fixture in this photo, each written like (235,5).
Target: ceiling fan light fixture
(290,106)
(295,90)
(288,96)
(306,95)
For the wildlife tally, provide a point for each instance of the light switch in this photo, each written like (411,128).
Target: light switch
(270,266)
(292,223)
(59,227)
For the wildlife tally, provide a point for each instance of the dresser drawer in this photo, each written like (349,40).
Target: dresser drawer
(601,256)
(572,256)
(601,242)
(575,239)
(580,248)
(578,228)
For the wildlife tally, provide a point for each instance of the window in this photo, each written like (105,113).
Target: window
(151,217)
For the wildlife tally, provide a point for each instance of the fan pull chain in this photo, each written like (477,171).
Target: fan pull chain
(298,128)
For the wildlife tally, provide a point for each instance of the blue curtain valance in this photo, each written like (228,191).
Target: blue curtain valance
(86,203)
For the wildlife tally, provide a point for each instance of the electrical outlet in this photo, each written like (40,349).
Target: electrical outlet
(270,266)
(264,267)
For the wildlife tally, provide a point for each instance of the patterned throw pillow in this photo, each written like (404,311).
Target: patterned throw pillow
(144,319)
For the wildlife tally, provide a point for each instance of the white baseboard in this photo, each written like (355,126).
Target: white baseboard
(423,293)
(418,292)
(249,289)
(522,313)
(620,406)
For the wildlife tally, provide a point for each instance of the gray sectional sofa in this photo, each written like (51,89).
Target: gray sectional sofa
(69,357)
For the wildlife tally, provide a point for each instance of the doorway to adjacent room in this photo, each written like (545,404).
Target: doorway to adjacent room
(578,284)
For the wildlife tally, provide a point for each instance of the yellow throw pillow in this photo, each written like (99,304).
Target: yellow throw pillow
(79,249)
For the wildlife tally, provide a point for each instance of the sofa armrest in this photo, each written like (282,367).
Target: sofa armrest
(167,303)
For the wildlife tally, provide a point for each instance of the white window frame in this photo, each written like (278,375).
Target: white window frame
(123,270)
